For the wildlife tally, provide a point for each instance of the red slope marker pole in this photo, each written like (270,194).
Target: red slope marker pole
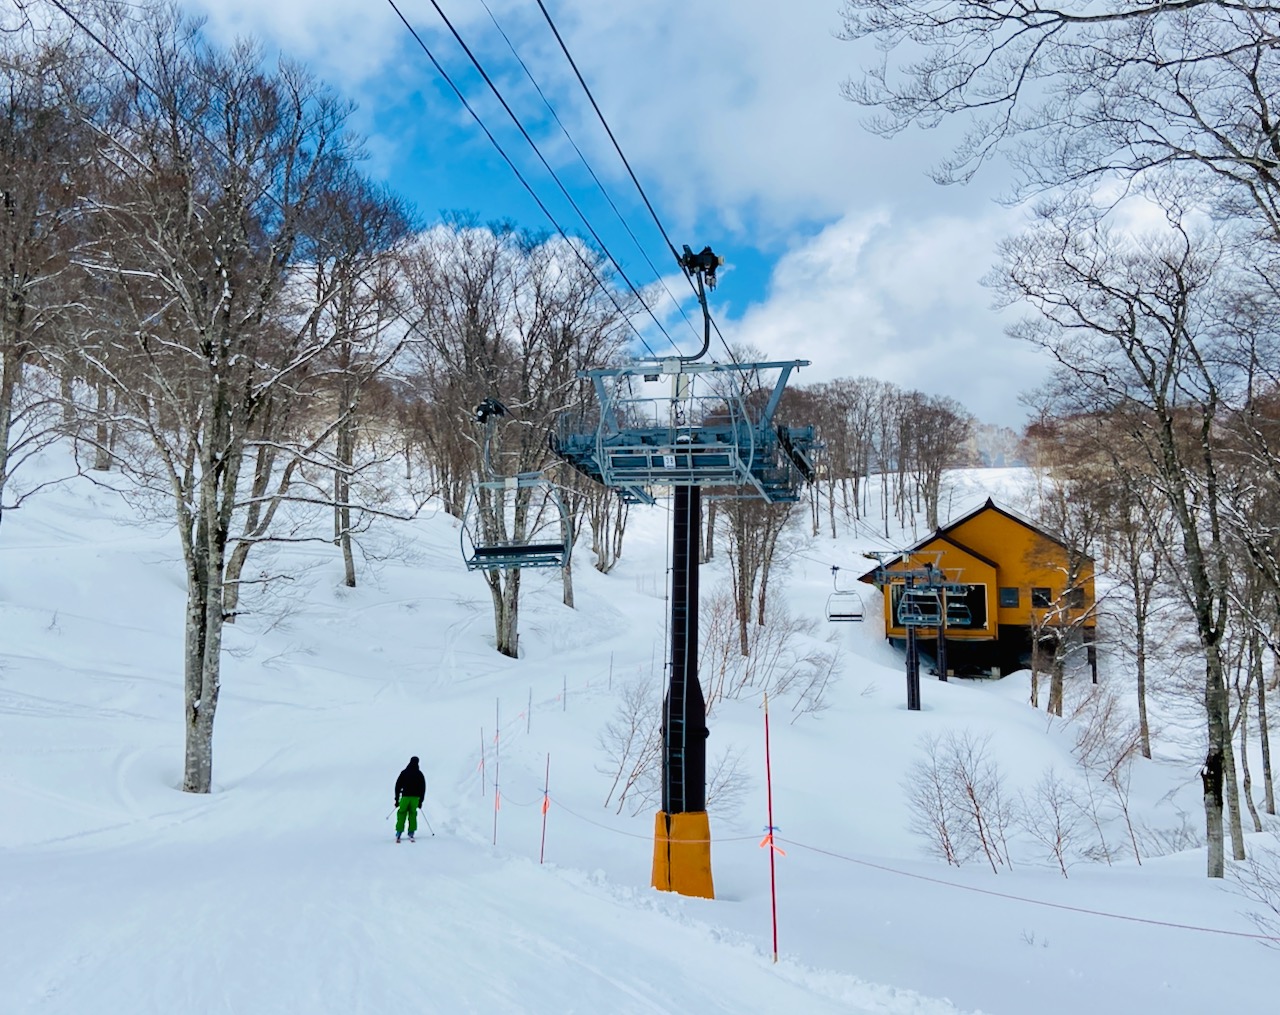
(768,839)
(497,796)
(546,803)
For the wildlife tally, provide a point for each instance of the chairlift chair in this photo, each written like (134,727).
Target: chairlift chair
(512,522)
(518,522)
(958,614)
(843,605)
(919,608)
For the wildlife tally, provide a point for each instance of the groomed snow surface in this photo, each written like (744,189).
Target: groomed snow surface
(282,891)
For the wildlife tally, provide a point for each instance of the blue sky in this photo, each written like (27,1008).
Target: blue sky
(839,248)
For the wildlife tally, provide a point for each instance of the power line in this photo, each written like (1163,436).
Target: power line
(582,157)
(537,151)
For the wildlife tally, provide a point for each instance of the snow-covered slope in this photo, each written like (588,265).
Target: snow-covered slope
(283,892)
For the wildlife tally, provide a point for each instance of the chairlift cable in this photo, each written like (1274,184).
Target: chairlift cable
(412,326)
(520,175)
(545,163)
(605,123)
(136,75)
(618,148)
(587,165)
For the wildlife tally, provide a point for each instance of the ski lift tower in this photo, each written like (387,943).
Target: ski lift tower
(928,599)
(696,428)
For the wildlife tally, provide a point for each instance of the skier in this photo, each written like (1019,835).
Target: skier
(411,787)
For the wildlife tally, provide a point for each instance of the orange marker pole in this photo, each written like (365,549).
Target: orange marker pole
(546,803)
(768,779)
(497,797)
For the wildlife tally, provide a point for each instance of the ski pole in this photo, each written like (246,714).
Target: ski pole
(428,824)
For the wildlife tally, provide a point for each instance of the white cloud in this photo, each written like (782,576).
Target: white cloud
(731,113)
(902,301)
(733,120)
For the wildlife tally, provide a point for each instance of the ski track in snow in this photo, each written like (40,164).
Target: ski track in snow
(282,891)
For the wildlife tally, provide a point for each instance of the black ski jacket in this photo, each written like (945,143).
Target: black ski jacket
(411,782)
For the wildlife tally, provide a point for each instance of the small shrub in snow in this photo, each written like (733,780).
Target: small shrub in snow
(957,802)
(1049,815)
(1258,878)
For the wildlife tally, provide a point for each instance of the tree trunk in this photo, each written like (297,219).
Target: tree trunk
(256,522)
(1140,659)
(105,431)
(505,591)
(1035,668)
(1231,794)
(1056,679)
(1211,777)
(1246,777)
(569,537)
(203,663)
(1268,783)
(342,499)
(10,375)
(567,581)
(202,674)
(831,505)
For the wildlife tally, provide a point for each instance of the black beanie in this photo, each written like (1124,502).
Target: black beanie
(413,760)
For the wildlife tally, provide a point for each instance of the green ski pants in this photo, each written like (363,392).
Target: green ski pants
(407,808)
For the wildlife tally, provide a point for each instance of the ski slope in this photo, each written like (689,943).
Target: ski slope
(283,891)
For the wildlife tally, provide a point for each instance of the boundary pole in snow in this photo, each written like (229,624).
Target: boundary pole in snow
(484,786)
(497,796)
(768,839)
(546,803)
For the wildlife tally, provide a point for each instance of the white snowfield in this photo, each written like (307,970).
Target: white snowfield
(283,890)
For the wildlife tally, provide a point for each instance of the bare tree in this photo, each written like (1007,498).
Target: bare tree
(631,741)
(1131,325)
(934,813)
(940,430)
(47,151)
(511,316)
(1048,814)
(752,529)
(956,797)
(1076,94)
(218,170)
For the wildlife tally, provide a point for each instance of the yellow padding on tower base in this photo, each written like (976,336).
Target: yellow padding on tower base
(682,854)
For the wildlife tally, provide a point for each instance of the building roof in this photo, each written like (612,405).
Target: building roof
(942,534)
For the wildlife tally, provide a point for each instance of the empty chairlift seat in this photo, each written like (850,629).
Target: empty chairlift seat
(844,606)
(513,523)
(919,608)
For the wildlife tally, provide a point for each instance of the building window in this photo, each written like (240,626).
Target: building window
(1075,598)
(1041,597)
(1008,596)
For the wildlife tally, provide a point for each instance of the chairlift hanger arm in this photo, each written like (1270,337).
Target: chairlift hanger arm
(701,267)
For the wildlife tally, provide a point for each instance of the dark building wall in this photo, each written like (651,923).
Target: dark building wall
(1009,652)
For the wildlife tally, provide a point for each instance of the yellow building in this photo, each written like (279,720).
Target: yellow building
(1007,581)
